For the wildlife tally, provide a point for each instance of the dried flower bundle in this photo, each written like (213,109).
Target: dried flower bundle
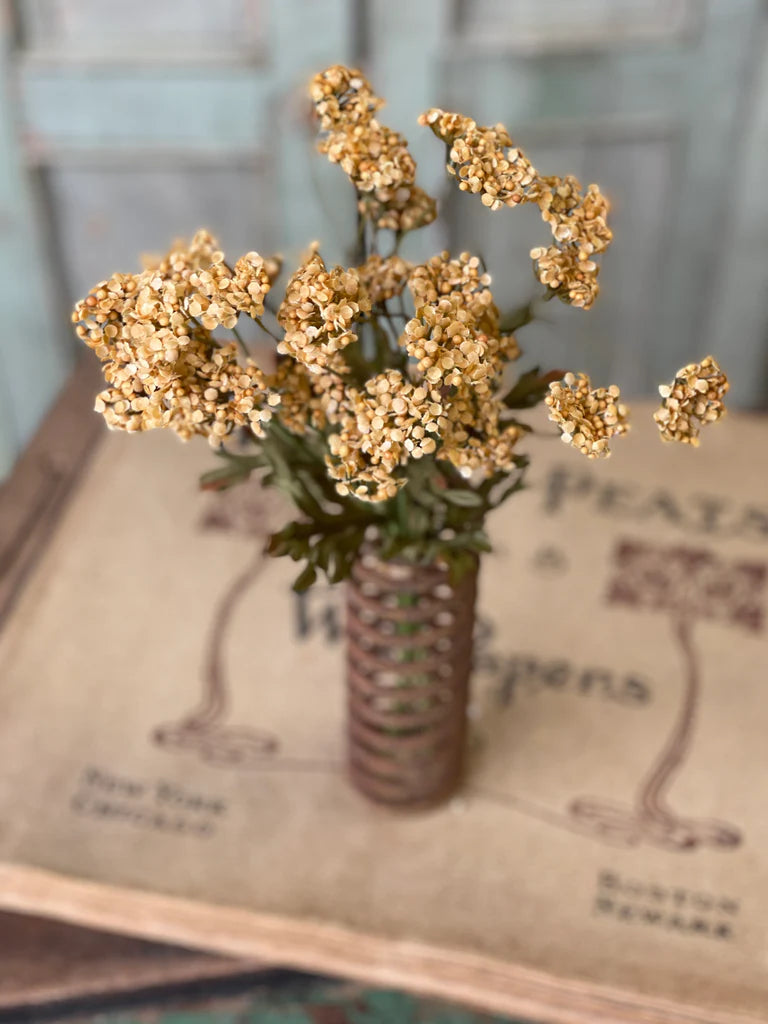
(388,407)
(588,417)
(694,397)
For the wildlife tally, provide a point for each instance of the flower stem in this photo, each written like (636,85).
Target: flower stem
(360,247)
(266,330)
(241,343)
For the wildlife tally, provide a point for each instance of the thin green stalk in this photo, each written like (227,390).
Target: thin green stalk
(360,246)
(266,330)
(241,343)
(382,313)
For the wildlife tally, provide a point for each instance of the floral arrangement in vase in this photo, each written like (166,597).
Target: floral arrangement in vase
(389,411)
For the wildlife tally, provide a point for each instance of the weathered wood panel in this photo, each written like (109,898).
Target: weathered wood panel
(120,132)
(33,353)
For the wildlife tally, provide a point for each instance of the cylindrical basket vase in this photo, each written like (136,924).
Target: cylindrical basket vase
(409,659)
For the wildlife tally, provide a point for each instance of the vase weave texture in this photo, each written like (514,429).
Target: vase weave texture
(409,658)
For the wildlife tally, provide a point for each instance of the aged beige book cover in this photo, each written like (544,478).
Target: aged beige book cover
(172,753)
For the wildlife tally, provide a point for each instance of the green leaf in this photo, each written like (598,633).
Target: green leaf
(477,540)
(305,579)
(220,479)
(236,469)
(464,499)
(277,547)
(517,318)
(530,388)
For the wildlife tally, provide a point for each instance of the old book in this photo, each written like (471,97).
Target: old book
(172,757)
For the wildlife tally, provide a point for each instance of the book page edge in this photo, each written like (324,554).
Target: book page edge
(483,982)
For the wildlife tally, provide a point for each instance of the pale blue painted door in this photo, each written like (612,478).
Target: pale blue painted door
(124,125)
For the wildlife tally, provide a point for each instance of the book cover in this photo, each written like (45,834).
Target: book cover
(172,740)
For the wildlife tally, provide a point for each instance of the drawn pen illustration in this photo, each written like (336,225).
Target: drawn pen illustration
(689,586)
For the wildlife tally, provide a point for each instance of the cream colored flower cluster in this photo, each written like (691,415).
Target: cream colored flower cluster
(502,349)
(475,438)
(454,336)
(211,394)
(373,156)
(221,294)
(580,231)
(426,383)
(445,344)
(384,278)
(319,312)
(694,397)
(342,98)
(410,209)
(294,383)
(485,162)
(466,277)
(447,404)
(588,417)
(307,400)
(162,364)
(391,421)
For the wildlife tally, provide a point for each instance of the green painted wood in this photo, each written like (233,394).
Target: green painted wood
(33,356)
(703,210)
(740,317)
(139,133)
(8,437)
(70,106)
(406,46)
(63,27)
(660,122)
(315,200)
(90,205)
(156,105)
(141,140)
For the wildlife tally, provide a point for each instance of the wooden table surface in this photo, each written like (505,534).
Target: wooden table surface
(51,971)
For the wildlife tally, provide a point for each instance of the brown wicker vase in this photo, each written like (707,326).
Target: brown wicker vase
(409,657)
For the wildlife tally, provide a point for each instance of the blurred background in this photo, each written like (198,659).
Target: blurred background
(124,125)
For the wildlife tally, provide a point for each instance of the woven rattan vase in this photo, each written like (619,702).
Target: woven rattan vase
(409,657)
